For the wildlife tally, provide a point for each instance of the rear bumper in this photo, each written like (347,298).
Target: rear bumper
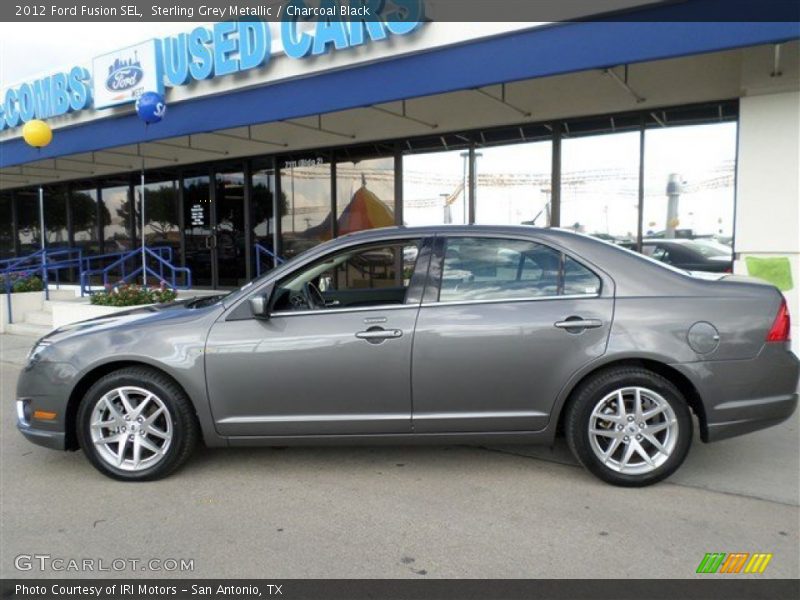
(741,396)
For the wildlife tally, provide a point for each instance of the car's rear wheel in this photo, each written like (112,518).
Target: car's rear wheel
(136,424)
(629,426)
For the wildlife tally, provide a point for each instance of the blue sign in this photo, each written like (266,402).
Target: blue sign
(226,48)
(48,97)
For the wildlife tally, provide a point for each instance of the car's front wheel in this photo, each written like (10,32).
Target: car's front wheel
(629,426)
(136,424)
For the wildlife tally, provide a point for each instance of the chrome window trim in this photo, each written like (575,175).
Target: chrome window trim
(510,300)
(339,311)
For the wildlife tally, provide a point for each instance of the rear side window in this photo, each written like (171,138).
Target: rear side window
(503,269)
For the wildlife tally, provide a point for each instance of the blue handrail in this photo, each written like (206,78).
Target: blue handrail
(41,262)
(262,251)
(129,266)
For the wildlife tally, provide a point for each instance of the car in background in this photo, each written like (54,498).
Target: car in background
(690,255)
(462,334)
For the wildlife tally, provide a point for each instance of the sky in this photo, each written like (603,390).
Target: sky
(31,49)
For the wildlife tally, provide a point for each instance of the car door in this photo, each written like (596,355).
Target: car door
(503,325)
(340,367)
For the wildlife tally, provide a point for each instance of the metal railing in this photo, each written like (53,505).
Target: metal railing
(42,263)
(129,266)
(112,267)
(262,252)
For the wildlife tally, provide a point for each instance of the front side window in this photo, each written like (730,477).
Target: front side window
(363,276)
(477,269)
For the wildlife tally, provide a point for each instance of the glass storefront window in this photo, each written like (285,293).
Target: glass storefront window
(28,221)
(689,183)
(55,217)
(364,195)
(600,186)
(230,239)
(435,188)
(306,184)
(83,205)
(513,184)
(7,242)
(161,216)
(262,217)
(117,224)
(198,228)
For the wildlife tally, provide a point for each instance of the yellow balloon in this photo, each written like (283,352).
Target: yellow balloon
(37,133)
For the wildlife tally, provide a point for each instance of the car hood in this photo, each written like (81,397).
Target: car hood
(138,316)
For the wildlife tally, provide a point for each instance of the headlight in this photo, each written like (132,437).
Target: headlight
(36,351)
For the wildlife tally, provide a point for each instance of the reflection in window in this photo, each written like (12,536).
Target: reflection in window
(55,217)
(7,241)
(306,182)
(600,186)
(513,184)
(689,183)
(493,269)
(372,275)
(230,245)
(435,188)
(161,215)
(117,224)
(83,204)
(262,219)
(28,221)
(364,195)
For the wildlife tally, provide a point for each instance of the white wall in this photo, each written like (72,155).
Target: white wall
(768,186)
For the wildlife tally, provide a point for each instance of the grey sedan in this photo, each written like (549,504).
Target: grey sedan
(426,335)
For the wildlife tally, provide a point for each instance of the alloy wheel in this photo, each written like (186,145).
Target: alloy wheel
(633,430)
(131,428)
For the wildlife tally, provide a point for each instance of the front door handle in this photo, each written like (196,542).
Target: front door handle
(376,335)
(576,323)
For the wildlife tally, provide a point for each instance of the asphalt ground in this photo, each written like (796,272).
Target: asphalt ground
(396,512)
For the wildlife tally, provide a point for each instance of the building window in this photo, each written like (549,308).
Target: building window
(306,184)
(83,206)
(161,215)
(229,231)
(55,217)
(28,221)
(262,217)
(513,184)
(198,228)
(364,194)
(600,186)
(435,188)
(117,224)
(689,186)
(7,241)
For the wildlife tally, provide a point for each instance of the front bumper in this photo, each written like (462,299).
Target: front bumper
(55,440)
(742,396)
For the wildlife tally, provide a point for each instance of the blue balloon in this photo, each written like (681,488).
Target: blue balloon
(151,107)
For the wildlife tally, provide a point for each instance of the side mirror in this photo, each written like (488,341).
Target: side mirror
(259,306)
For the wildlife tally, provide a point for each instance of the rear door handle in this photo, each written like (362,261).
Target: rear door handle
(579,324)
(378,334)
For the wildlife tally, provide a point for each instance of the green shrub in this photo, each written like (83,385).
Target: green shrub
(20,282)
(133,295)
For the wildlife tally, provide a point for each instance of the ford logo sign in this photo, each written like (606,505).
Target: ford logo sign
(124,78)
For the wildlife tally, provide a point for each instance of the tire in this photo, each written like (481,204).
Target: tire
(601,436)
(137,406)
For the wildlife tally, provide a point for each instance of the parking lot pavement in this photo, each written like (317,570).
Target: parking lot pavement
(399,512)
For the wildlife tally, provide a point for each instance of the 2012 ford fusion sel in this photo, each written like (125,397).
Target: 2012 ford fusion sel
(426,335)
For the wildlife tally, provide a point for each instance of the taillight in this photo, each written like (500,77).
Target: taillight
(779,332)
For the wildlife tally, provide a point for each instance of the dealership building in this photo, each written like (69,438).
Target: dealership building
(278,137)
